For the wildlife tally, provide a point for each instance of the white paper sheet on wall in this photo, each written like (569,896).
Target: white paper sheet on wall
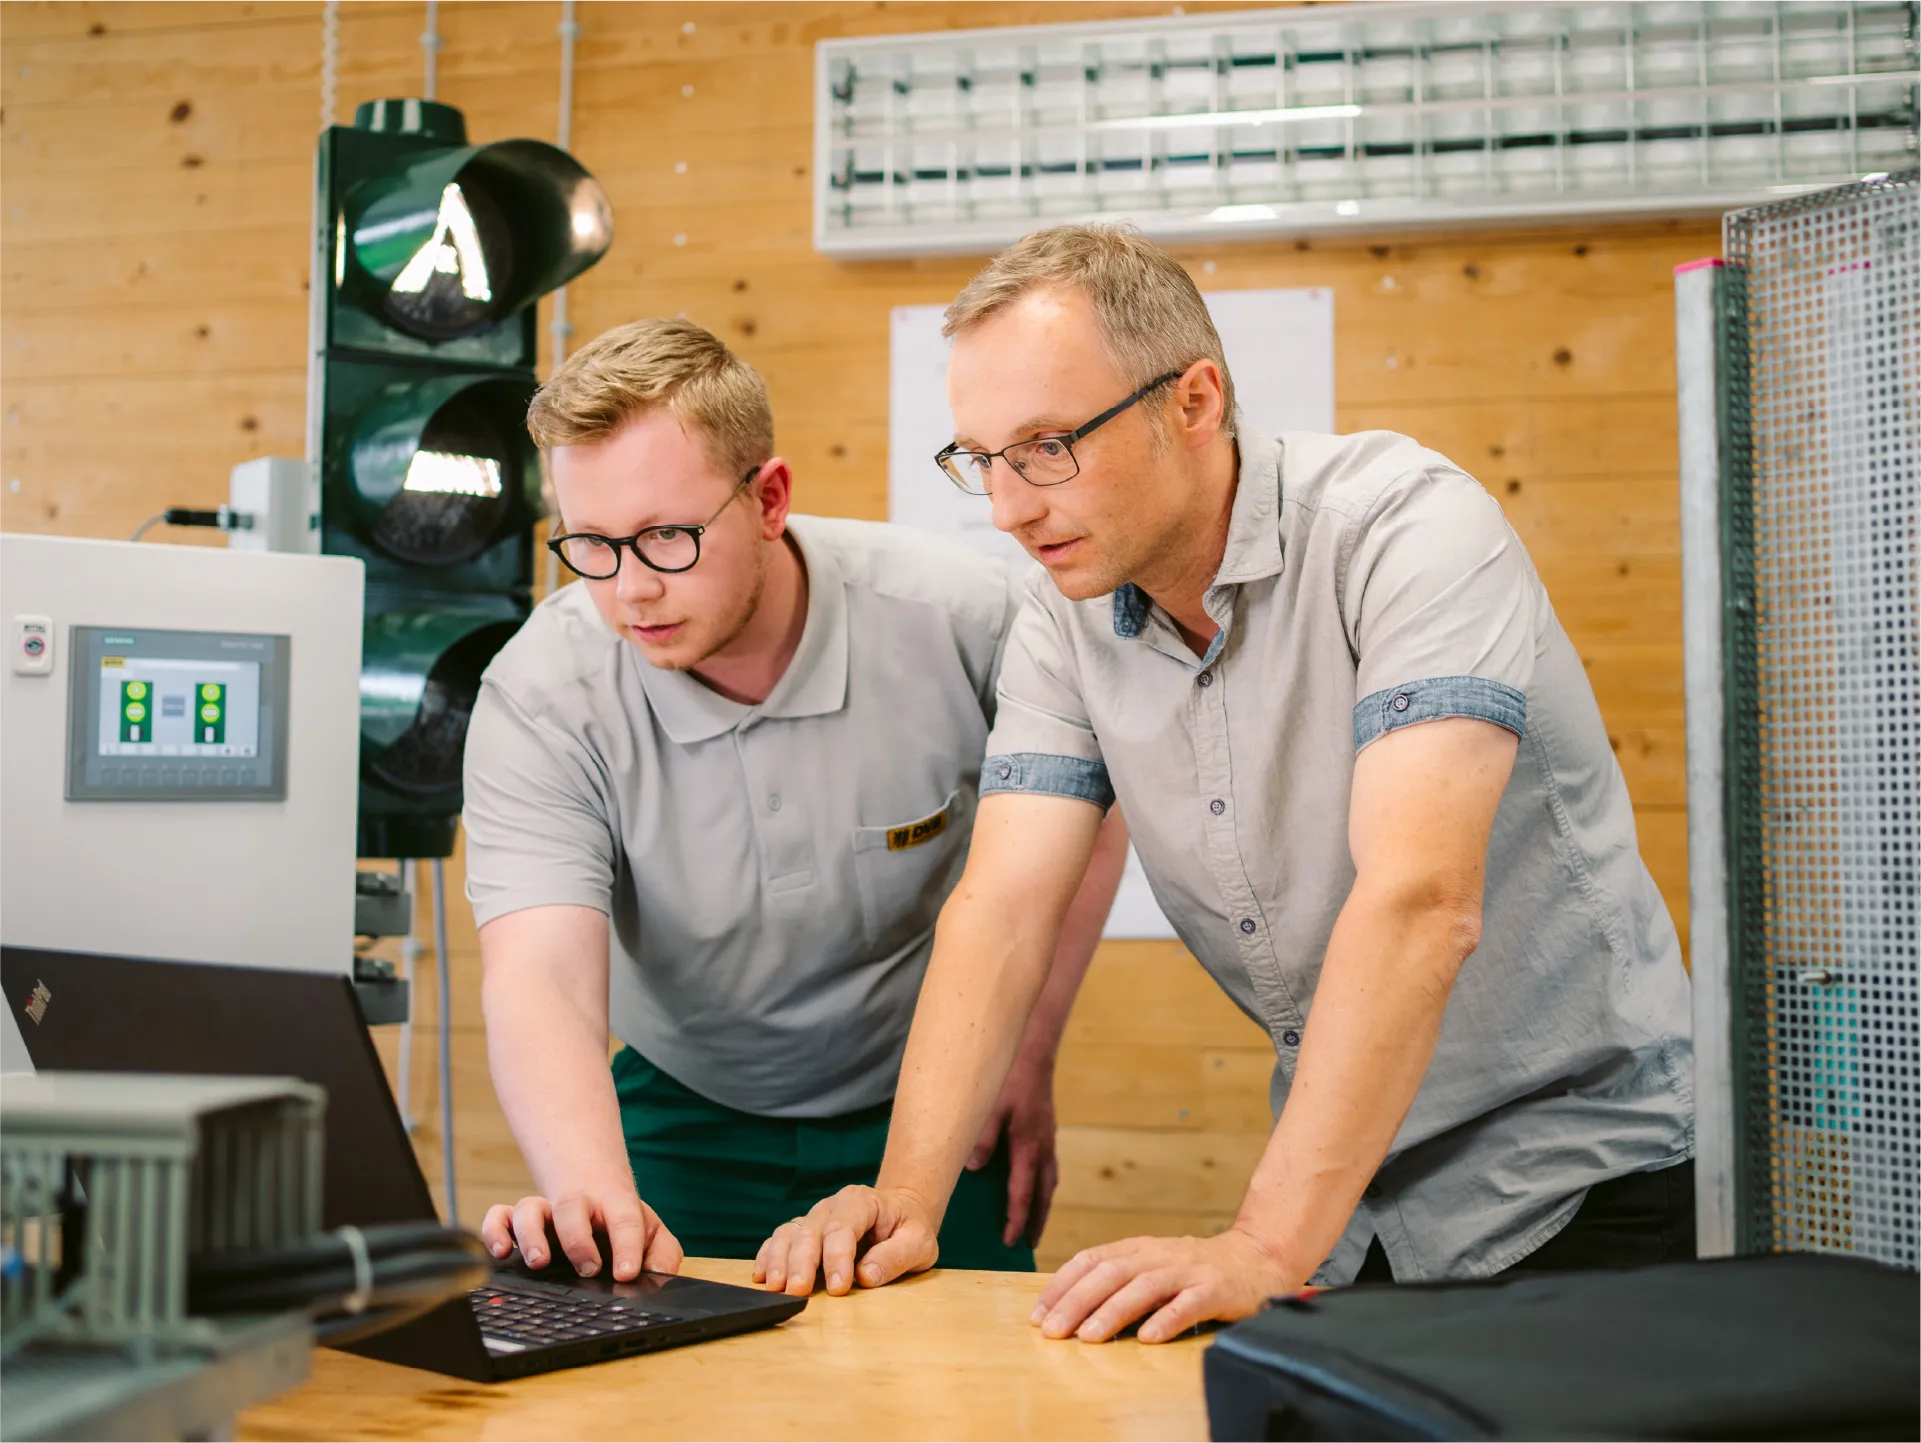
(1280,349)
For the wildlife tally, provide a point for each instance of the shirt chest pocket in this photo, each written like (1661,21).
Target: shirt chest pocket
(906,869)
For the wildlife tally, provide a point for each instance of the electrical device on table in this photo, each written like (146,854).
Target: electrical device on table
(118,1190)
(166,1017)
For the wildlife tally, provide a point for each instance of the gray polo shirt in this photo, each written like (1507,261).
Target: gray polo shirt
(1369,584)
(771,873)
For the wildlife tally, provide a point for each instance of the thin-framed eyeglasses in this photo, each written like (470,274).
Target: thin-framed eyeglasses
(1043,461)
(668,549)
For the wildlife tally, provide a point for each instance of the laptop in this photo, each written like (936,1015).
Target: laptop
(85,1013)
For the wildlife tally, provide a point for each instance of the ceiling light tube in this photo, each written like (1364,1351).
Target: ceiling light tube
(1212,118)
(1242,212)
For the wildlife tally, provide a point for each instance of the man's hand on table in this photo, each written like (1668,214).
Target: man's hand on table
(1173,1283)
(1025,1111)
(635,1234)
(889,1233)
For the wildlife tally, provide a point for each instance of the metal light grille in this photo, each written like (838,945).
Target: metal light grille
(1828,793)
(1354,116)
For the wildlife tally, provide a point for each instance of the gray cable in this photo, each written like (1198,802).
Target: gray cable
(409,954)
(430,42)
(446,1041)
(329,61)
(152,521)
(559,328)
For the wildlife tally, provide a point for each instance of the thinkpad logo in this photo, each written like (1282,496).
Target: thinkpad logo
(37,1004)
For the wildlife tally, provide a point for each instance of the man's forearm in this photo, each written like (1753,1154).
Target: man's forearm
(1080,936)
(986,973)
(1384,985)
(549,1066)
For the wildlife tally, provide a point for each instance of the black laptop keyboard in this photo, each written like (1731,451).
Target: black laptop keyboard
(536,1320)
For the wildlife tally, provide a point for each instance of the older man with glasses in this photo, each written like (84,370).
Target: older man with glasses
(716,795)
(1369,782)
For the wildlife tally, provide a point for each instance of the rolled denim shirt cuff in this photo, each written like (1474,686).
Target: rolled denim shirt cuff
(1437,699)
(1044,772)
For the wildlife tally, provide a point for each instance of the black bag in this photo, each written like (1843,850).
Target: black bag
(1793,1345)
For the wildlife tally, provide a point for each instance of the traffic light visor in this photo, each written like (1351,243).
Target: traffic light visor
(459,240)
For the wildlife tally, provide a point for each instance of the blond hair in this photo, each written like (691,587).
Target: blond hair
(646,365)
(1151,316)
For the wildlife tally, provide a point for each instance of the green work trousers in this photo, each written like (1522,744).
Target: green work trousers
(723,1180)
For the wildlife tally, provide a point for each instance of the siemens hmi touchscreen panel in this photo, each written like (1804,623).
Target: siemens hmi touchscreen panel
(176,716)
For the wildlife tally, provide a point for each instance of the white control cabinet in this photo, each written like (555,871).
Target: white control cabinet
(179,751)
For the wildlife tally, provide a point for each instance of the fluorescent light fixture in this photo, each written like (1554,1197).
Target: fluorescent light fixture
(1242,212)
(439,473)
(453,249)
(1204,120)
(1448,113)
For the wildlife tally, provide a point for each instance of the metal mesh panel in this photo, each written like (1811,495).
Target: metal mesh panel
(1826,774)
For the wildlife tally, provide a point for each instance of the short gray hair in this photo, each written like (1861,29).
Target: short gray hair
(1151,315)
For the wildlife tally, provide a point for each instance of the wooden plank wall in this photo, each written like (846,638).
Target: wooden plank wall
(157,163)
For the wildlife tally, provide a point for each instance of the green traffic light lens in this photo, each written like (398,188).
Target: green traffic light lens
(440,471)
(427,756)
(449,286)
(452,504)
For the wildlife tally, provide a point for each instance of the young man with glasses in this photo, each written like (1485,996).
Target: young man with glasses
(717,791)
(1369,782)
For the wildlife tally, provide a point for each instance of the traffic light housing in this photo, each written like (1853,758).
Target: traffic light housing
(429,256)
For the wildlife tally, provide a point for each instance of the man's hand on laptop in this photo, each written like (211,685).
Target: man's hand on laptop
(889,1233)
(634,1232)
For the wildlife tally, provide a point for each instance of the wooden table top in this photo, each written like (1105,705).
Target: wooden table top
(943,1355)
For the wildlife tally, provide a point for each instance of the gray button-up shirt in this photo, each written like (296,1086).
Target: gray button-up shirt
(1368,584)
(771,873)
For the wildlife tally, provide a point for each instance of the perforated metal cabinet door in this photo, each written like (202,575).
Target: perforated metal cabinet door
(1826,672)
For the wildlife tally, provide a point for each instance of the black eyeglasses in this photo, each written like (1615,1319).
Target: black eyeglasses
(663,548)
(1044,461)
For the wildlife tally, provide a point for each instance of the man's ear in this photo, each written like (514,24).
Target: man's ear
(1200,398)
(773,491)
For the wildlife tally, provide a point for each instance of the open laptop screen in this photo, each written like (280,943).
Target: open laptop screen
(84,1013)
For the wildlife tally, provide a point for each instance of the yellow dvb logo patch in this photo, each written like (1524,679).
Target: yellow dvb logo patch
(899,839)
